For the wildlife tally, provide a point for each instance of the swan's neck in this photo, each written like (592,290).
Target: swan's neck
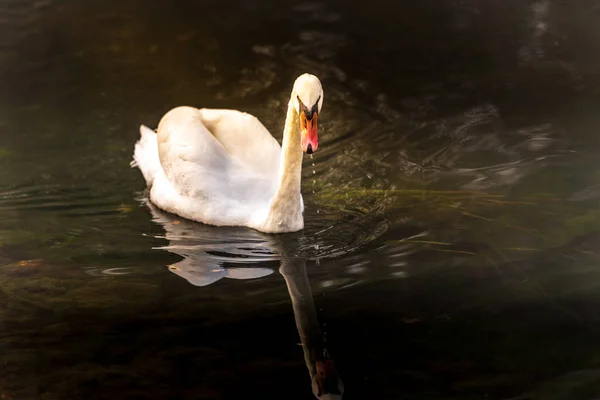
(285,211)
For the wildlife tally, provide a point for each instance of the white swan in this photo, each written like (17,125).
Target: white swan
(223,167)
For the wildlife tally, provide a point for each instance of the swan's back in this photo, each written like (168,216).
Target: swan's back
(244,137)
(215,166)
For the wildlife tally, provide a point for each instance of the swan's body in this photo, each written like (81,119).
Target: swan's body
(223,167)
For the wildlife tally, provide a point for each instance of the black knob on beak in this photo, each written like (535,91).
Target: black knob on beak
(309,149)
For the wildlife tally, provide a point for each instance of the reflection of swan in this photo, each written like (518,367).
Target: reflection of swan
(326,383)
(222,167)
(205,249)
(195,242)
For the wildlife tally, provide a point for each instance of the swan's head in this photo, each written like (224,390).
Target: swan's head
(307,98)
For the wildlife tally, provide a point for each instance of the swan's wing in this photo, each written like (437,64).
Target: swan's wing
(193,160)
(182,136)
(214,185)
(244,137)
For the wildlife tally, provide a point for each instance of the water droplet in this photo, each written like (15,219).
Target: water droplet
(311,156)
(316,247)
(318,211)
(314,172)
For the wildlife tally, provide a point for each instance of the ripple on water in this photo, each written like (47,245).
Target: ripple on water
(76,201)
(82,227)
(333,234)
(212,253)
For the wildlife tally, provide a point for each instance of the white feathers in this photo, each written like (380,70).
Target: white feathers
(145,155)
(308,89)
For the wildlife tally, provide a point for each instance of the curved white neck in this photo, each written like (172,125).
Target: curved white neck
(285,211)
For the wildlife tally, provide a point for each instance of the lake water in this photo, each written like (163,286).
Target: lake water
(452,209)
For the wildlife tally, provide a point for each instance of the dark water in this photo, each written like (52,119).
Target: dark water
(452,211)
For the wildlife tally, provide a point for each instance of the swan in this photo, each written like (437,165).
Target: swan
(222,167)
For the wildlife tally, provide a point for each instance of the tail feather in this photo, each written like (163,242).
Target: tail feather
(145,156)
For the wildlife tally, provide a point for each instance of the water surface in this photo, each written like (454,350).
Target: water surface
(450,249)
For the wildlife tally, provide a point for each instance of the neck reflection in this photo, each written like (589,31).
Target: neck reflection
(326,383)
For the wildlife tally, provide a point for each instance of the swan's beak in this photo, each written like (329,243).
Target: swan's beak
(308,127)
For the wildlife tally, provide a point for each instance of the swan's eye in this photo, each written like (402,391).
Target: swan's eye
(315,107)
(301,107)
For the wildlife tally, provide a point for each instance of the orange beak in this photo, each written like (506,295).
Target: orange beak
(309,135)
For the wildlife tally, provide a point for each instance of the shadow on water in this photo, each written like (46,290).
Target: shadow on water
(206,250)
